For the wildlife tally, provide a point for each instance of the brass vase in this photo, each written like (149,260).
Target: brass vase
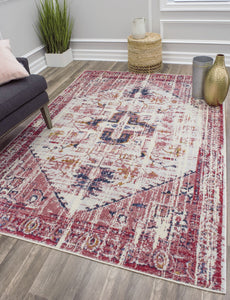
(216,83)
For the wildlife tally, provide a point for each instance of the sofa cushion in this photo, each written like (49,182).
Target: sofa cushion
(10,67)
(18,92)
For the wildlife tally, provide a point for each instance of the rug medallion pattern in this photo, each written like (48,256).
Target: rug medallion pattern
(132,174)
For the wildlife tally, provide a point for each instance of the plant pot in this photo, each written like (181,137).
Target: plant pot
(59,60)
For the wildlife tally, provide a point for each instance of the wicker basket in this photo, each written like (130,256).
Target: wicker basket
(145,55)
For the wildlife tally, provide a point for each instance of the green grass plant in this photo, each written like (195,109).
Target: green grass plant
(54,26)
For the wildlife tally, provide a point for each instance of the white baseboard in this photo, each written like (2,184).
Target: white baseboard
(38,65)
(37,61)
(187,57)
(116,50)
(101,55)
(100,49)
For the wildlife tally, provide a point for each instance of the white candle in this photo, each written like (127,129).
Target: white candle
(138,28)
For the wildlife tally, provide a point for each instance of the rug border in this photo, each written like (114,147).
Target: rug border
(225,204)
(113,265)
(118,266)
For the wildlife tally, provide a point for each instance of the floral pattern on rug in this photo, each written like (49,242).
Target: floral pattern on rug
(132,174)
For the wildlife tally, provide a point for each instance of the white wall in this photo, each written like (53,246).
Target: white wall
(17,23)
(101,29)
(187,30)
(17,18)
(106,19)
(103,26)
(191,29)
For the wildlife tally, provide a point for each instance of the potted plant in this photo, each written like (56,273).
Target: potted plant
(54,29)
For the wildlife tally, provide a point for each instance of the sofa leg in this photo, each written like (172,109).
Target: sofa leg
(46,116)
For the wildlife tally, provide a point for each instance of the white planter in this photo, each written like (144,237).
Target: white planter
(59,60)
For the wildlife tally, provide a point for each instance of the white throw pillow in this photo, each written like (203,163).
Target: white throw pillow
(10,68)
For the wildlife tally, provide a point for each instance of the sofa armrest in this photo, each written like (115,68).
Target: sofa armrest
(24,62)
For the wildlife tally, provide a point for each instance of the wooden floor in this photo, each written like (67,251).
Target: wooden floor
(29,271)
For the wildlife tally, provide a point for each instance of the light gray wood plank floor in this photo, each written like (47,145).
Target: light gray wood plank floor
(30,271)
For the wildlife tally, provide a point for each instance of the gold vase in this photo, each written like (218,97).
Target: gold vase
(216,83)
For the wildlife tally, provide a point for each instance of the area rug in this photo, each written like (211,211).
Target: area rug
(132,174)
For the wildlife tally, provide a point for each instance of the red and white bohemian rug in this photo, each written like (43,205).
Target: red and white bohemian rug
(132,174)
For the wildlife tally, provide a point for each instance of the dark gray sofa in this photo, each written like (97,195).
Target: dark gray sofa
(19,98)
